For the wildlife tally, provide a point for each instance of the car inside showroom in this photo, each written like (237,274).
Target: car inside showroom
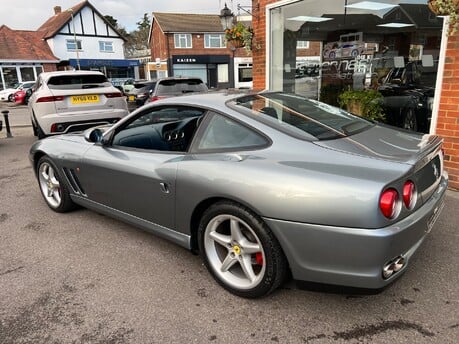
(375,59)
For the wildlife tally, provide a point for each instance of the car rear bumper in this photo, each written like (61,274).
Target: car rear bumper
(355,257)
(79,121)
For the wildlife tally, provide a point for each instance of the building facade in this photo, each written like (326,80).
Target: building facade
(365,46)
(195,45)
(83,39)
(23,55)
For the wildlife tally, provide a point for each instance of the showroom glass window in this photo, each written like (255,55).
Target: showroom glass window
(182,40)
(320,51)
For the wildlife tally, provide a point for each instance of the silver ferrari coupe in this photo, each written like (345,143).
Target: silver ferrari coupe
(265,186)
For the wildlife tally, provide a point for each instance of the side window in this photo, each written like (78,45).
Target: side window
(163,129)
(224,133)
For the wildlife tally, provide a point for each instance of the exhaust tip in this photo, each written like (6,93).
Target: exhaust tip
(393,266)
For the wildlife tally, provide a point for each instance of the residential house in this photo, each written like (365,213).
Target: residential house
(23,55)
(194,45)
(83,39)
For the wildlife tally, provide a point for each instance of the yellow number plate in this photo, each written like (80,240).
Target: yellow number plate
(86,98)
(131,98)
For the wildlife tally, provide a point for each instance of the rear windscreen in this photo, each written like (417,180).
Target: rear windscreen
(181,86)
(78,81)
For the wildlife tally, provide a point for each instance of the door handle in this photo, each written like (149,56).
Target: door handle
(164,187)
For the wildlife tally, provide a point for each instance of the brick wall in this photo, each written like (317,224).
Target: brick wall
(448,115)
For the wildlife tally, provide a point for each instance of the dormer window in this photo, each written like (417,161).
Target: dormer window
(182,40)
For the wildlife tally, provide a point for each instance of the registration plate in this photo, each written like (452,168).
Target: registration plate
(433,218)
(86,98)
(131,98)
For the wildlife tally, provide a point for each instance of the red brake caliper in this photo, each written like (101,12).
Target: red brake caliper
(259,258)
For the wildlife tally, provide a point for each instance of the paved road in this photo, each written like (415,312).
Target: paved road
(84,278)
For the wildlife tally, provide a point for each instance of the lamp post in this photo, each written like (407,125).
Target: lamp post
(75,40)
(226,18)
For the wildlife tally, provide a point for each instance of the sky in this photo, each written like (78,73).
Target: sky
(30,14)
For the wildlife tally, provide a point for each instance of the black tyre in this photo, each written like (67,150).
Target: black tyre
(53,187)
(240,251)
(332,55)
(11,98)
(409,120)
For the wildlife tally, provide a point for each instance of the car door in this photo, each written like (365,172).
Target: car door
(135,173)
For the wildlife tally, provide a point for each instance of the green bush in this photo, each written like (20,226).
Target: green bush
(364,103)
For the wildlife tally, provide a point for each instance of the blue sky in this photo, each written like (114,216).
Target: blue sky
(30,14)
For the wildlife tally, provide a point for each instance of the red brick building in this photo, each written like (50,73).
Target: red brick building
(194,45)
(409,31)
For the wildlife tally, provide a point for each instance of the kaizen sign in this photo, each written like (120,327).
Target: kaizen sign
(186,60)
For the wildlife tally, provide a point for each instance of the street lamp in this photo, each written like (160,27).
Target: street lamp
(226,18)
(75,40)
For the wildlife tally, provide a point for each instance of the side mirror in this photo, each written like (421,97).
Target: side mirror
(94,135)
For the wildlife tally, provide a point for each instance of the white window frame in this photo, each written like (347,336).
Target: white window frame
(106,47)
(212,37)
(178,37)
(71,46)
(302,44)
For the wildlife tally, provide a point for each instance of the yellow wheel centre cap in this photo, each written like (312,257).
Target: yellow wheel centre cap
(236,249)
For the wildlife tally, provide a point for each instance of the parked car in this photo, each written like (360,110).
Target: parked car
(22,96)
(408,96)
(8,94)
(263,185)
(128,85)
(150,91)
(139,93)
(176,86)
(68,101)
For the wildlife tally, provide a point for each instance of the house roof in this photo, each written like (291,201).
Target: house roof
(419,14)
(24,45)
(55,23)
(186,22)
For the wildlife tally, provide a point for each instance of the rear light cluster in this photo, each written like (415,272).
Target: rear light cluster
(114,95)
(391,202)
(155,98)
(50,99)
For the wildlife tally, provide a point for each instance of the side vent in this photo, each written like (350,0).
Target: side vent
(73,181)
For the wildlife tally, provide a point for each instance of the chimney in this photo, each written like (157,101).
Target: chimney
(57,9)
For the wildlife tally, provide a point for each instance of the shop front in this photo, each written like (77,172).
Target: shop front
(113,69)
(14,73)
(214,70)
(343,48)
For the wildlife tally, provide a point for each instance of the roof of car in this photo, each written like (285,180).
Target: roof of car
(47,75)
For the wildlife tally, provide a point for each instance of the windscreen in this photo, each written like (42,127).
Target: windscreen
(301,117)
(81,81)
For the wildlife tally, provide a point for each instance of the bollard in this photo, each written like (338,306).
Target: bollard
(7,123)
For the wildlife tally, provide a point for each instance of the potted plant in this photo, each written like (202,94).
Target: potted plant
(240,36)
(446,8)
(364,103)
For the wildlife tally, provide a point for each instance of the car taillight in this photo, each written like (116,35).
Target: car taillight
(113,95)
(50,99)
(389,203)
(155,98)
(410,195)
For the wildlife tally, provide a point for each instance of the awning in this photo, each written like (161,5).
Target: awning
(104,63)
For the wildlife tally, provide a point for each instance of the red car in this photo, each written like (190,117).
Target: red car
(22,96)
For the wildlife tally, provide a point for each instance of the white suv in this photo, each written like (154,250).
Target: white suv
(70,101)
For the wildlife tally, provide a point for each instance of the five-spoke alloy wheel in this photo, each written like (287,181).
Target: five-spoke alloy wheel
(240,251)
(52,186)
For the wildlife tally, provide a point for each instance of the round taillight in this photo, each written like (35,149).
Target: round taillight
(390,204)
(410,195)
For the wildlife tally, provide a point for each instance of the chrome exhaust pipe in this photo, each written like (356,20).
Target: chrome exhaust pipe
(393,266)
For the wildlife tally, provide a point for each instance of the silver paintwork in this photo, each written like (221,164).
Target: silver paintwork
(319,198)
